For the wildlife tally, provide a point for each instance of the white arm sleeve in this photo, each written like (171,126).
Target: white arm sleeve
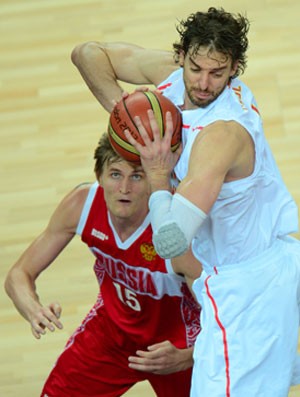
(175,221)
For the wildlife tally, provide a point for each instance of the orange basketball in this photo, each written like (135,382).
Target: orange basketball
(137,104)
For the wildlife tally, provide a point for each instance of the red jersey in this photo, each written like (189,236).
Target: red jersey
(140,292)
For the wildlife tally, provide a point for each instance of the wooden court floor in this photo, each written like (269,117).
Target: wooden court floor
(50,124)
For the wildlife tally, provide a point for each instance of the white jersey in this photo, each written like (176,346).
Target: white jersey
(249,289)
(250,213)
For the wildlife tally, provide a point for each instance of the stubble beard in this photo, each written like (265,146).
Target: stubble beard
(202,103)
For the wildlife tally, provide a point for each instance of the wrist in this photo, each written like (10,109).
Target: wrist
(189,360)
(160,182)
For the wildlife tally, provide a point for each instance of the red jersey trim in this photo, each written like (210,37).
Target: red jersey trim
(223,330)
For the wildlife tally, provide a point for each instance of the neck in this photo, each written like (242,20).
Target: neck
(125,227)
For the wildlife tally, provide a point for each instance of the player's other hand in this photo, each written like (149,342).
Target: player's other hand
(162,358)
(46,317)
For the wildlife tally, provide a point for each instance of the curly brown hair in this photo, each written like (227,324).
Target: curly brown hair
(216,30)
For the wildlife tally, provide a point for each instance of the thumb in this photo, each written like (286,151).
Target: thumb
(157,346)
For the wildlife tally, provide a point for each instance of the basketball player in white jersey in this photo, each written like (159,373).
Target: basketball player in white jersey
(231,204)
(145,321)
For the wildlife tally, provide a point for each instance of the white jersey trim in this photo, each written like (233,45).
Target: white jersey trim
(86,208)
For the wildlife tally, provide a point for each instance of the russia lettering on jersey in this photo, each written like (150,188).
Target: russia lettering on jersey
(138,279)
(141,293)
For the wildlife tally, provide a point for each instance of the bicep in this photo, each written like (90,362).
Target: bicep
(42,252)
(215,152)
(58,233)
(137,65)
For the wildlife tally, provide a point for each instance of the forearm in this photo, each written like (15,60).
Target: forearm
(98,73)
(21,289)
(104,65)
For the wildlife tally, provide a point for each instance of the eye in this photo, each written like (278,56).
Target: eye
(218,73)
(195,70)
(115,174)
(136,177)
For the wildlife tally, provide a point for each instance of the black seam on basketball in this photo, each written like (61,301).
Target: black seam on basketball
(129,115)
(157,110)
(175,147)
(121,142)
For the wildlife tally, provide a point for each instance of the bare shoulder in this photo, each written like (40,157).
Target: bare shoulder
(228,146)
(222,133)
(68,212)
(165,65)
(77,196)
(161,60)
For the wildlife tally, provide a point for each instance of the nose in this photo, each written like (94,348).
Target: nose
(203,81)
(125,186)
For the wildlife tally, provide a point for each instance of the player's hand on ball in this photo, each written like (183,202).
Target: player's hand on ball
(123,116)
(46,317)
(157,158)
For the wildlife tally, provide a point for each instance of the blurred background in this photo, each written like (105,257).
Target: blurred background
(50,125)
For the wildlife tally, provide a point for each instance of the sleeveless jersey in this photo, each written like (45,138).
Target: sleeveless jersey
(140,292)
(249,214)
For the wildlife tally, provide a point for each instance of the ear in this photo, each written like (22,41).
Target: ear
(181,57)
(234,68)
(99,179)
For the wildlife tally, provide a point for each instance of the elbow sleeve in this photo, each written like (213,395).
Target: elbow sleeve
(175,222)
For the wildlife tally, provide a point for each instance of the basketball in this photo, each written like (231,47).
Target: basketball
(137,104)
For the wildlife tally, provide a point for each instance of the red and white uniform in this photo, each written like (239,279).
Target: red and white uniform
(141,302)
(249,289)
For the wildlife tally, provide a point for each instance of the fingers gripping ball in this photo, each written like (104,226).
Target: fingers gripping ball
(137,104)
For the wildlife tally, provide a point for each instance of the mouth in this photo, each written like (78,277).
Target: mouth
(124,201)
(200,98)
(202,94)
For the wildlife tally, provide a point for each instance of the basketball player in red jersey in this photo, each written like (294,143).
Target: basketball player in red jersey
(145,321)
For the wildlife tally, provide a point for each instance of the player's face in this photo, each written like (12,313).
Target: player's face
(205,74)
(126,191)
